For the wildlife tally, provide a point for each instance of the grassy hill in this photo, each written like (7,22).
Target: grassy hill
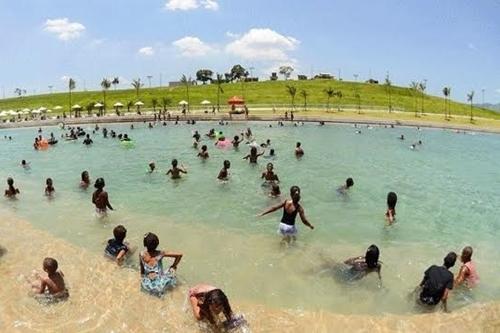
(268,93)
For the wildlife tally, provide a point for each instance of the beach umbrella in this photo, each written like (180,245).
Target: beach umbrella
(26,110)
(118,105)
(98,105)
(205,102)
(4,114)
(42,109)
(139,103)
(36,111)
(183,102)
(236,100)
(76,107)
(49,111)
(12,113)
(57,107)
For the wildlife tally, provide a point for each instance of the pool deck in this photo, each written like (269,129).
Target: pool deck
(487,126)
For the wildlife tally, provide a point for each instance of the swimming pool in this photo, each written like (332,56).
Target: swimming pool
(447,188)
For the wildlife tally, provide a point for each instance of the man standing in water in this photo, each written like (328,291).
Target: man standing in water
(290,209)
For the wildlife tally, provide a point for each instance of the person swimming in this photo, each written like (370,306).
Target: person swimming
(152,167)
(291,208)
(236,141)
(402,137)
(253,156)
(175,171)
(100,198)
(299,152)
(85,180)
(468,274)
(349,182)
(125,138)
(25,165)
(275,191)
(224,173)
(49,188)
(357,268)
(11,191)
(269,174)
(203,153)
(390,214)
(88,141)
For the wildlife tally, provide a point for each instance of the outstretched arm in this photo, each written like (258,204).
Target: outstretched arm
(272,209)
(304,218)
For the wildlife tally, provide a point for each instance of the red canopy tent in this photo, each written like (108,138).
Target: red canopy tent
(236,100)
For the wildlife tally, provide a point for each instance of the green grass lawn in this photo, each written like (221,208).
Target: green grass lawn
(270,93)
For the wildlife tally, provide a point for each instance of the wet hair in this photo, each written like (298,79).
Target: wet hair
(119,232)
(23,162)
(99,183)
(85,174)
(10,182)
(450,259)
(218,298)
(253,150)
(48,181)
(298,144)
(50,265)
(349,182)
(295,194)
(271,152)
(204,148)
(294,189)
(371,256)
(467,254)
(227,164)
(151,242)
(236,138)
(392,199)
(174,163)
(88,136)
(269,165)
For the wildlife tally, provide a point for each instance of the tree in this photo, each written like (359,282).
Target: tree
(115,82)
(339,95)
(292,91)
(446,93)
(238,72)
(165,101)
(136,83)
(154,103)
(286,71)
(388,88)
(304,95)
(219,80)
(358,100)
(414,93)
(18,92)
(470,98)
(204,75)
(422,86)
(329,94)
(71,87)
(105,85)
(187,82)
(129,105)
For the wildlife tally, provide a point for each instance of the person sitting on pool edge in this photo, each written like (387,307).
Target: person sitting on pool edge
(299,152)
(437,283)
(290,210)
(224,173)
(208,302)
(390,214)
(349,182)
(100,198)
(154,280)
(116,248)
(52,284)
(467,275)
(175,171)
(11,191)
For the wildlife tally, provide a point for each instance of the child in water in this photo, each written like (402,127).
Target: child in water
(203,154)
(253,155)
(299,152)
(224,173)
(208,302)
(25,165)
(348,184)
(100,198)
(175,171)
(236,141)
(85,181)
(49,188)
(116,248)
(467,274)
(154,280)
(390,214)
(275,191)
(359,267)
(269,174)
(53,283)
(11,191)
(152,167)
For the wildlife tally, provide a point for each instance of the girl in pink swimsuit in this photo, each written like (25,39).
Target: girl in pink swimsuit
(468,273)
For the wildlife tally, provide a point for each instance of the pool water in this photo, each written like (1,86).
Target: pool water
(448,190)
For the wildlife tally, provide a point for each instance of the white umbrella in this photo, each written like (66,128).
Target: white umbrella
(57,107)
(183,102)
(139,103)
(26,110)
(42,109)
(205,102)
(49,111)
(36,111)
(76,106)
(98,105)
(12,113)
(118,105)
(4,114)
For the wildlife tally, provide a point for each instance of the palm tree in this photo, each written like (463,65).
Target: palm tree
(105,84)
(154,102)
(388,87)
(292,91)
(414,92)
(187,82)
(218,81)
(115,82)
(165,101)
(71,86)
(304,95)
(422,86)
(137,86)
(339,95)
(358,100)
(329,94)
(89,107)
(470,98)
(129,105)
(446,93)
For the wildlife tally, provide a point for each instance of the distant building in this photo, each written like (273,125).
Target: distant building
(324,76)
(372,81)
(274,76)
(302,77)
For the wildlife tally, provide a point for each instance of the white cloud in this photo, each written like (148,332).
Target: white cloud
(263,45)
(65,78)
(498,90)
(191,4)
(472,46)
(192,47)
(232,34)
(146,51)
(64,29)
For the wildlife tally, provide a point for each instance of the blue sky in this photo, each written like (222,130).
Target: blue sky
(446,42)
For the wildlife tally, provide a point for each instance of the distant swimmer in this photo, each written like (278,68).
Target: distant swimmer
(11,191)
(358,132)
(87,141)
(390,214)
(224,172)
(269,174)
(152,167)
(299,152)
(85,180)
(253,156)
(349,182)
(203,153)
(275,191)
(236,141)
(100,198)
(175,171)
(402,137)
(25,165)
(49,187)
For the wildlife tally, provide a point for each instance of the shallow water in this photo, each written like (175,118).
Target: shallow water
(447,192)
